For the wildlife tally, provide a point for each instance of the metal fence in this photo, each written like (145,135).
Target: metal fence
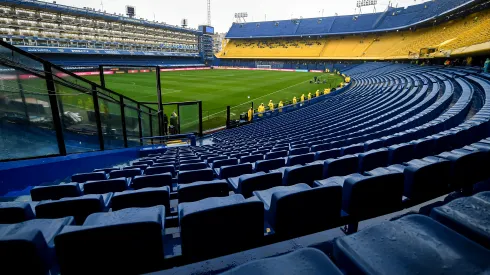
(48,111)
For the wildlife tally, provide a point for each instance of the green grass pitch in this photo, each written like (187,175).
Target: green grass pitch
(218,89)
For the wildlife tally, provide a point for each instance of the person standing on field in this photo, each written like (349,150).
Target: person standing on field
(309,96)
(271,105)
(280,105)
(302,98)
(250,114)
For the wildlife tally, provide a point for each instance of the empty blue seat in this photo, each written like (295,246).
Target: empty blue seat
(373,144)
(193,166)
(128,241)
(223,162)
(299,151)
(106,170)
(342,166)
(158,180)
(321,147)
(468,216)
(129,173)
(105,186)
(425,178)
(243,221)
(413,244)
(327,154)
(300,159)
(146,197)
(373,159)
(28,247)
(55,192)
(309,260)
(468,166)
(275,155)
(302,174)
(234,170)
(160,170)
(400,153)
(267,165)
(83,177)
(213,159)
(352,149)
(202,189)
(374,193)
(195,175)
(423,147)
(15,212)
(246,184)
(143,162)
(293,210)
(190,161)
(142,167)
(79,207)
(251,158)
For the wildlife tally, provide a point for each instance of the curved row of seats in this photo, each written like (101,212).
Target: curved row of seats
(397,128)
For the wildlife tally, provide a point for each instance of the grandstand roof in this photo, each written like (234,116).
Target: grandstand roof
(58,8)
(391,19)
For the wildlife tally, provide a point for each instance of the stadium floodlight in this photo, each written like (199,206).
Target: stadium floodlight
(366,3)
(240,16)
(130,11)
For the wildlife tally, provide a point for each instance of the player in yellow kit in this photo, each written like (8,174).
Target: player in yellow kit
(250,114)
(280,105)
(295,100)
(302,98)
(326,91)
(261,109)
(317,94)
(271,105)
(309,96)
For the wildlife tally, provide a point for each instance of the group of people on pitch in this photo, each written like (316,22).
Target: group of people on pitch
(262,109)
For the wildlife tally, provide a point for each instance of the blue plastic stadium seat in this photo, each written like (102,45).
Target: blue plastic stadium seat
(468,216)
(213,159)
(79,207)
(128,241)
(413,244)
(352,149)
(294,210)
(424,147)
(302,174)
(251,158)
(105,186)
(234,170)
(143,162)
(160,170)
(165,161)
(195,175)
(190,161)
(309,260)
(106,170)
(321,147)
(299,151)
(129,173)
(224,162)
(375,193)
(373,159)
(400,153)
(468,166)
(55,192)
(342,166)
(83,177)
(425,178)
(158,180)
(193,166)
(15,212)
(232,224)
(28,247)
(267,165)
(275,155)
(300,159)
(373,144)
(327,154)
(246,184)
(142,167)
(145,197)
(202,189)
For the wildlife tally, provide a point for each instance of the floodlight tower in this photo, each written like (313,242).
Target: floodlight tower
(209,12)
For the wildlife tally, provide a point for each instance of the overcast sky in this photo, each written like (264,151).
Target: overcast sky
(222,11)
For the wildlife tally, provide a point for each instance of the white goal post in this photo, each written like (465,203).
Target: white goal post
(264,67)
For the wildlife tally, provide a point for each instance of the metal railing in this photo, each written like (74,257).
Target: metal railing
(46,110)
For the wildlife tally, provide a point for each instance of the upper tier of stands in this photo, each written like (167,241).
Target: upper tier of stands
(392,18)
(398,136)
(464,35)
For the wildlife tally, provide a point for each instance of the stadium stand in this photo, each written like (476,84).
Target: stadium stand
(398,159)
